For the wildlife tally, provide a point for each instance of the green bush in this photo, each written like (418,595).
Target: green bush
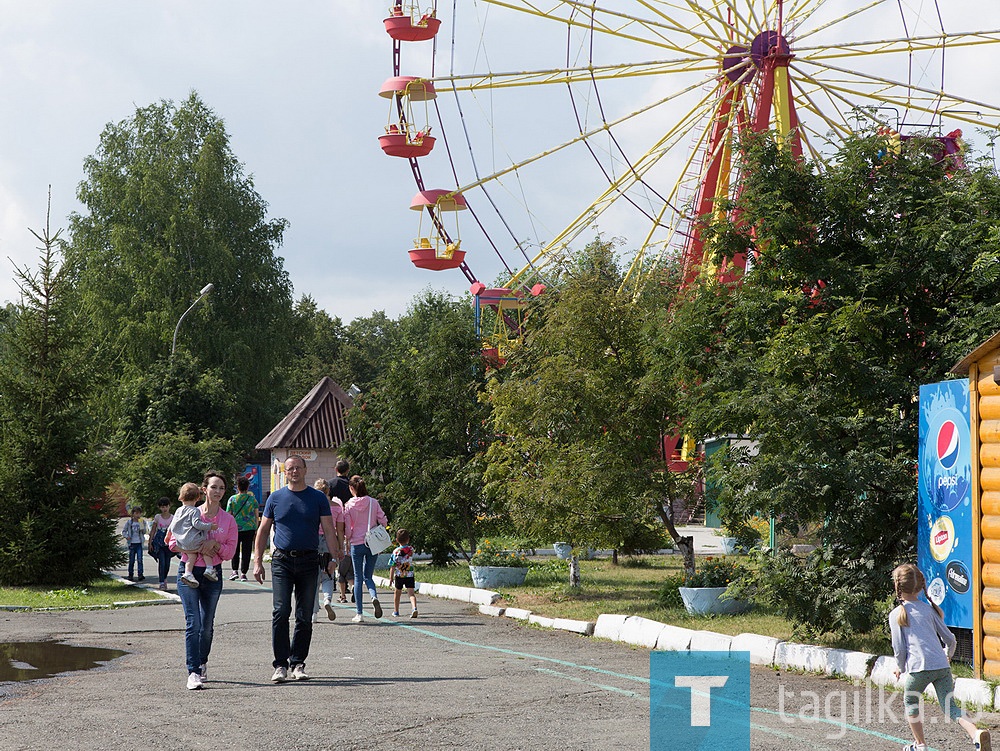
(717,572)
(668,595)
(826,592)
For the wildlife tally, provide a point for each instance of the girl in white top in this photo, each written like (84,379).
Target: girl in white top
(923,647)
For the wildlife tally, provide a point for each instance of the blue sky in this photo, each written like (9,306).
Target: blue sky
(296,83)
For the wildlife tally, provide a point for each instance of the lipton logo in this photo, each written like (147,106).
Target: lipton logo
(941,538)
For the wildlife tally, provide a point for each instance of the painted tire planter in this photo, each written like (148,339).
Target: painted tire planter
(729,545)
(706,600)
(487,577)
(562,550)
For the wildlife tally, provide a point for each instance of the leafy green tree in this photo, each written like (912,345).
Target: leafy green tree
(173,459)
(318,339)
(167,209)
(57,525)
(418,431)
(874,276)
(370,343)
(175,421)
(579,420)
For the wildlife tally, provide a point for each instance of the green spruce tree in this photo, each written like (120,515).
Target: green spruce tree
(57,526)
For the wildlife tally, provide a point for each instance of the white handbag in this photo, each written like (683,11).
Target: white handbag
(376,538)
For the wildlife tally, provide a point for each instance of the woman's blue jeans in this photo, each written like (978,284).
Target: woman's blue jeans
(199,616)
(163,563)
(364,572)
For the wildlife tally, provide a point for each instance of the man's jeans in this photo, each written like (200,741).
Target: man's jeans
(298,575)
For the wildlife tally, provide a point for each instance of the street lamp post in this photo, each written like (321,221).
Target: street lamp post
(204,291)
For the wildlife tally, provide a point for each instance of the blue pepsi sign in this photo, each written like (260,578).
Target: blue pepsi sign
(944,498)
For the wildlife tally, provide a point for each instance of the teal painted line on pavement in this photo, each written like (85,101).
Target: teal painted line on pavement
(632,694)
(614,689)
(625,676)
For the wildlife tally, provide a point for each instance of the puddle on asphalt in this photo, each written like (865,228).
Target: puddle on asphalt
(33,660)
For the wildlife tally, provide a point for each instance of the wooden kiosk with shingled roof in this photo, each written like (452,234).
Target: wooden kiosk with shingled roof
(313,430)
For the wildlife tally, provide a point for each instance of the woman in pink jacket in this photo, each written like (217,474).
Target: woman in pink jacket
(362,513)
(200,604)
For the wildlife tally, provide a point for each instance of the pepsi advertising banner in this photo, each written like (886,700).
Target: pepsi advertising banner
(944,498)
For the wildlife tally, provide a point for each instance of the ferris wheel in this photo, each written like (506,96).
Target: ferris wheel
(553,120)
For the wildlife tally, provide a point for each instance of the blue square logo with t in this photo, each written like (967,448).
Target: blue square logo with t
(699,700)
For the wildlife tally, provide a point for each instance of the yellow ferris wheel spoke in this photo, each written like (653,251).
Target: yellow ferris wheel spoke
(617,24)
(583,74)
(803,14)
(618,187)
(928,43)
(642,166)
(581,137)
(919,96)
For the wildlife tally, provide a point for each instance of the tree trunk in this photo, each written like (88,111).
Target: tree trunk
(614,557)
(686,546)
(684,543)
(574,571)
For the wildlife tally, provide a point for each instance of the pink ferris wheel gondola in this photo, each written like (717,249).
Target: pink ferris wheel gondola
(438,250)
(403,137)
(410,25)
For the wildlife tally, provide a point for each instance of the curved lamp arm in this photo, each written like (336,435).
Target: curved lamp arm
(204,291)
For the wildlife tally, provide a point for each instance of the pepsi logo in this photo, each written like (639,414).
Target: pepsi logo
(947,444)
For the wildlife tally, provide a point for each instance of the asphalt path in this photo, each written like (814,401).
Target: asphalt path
(450,679)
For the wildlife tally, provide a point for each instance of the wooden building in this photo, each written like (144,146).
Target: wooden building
(983,369)
(314,430)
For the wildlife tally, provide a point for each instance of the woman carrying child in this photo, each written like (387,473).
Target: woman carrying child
(200,602)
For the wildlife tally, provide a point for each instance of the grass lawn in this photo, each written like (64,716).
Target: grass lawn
(632,588)
(101,592)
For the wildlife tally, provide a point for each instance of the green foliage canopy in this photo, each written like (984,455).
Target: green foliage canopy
(579,423)
(417,431)
(874,276)
(168,208)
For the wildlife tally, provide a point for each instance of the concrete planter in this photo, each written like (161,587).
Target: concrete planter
(562,550)
(705,600)
(729,545)
(489,577)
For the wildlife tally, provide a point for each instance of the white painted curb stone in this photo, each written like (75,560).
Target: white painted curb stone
(761,648)
(709,641)
(801,657)
(541,620)
(674,639)
(483,597)
(640,631)
(609,625)
(850,664)
(491,610)
(974,692)
(577,627)
(519,613)
(882,672)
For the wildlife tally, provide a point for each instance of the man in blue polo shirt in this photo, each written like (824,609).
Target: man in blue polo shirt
(295,512)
